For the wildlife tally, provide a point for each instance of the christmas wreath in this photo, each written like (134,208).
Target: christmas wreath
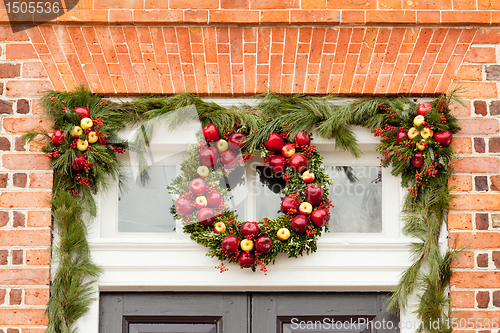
(202,208)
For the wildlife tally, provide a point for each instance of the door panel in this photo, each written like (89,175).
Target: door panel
(321,312)
(245,313)
(173,312)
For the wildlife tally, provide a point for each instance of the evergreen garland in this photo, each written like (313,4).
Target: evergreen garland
(424,210)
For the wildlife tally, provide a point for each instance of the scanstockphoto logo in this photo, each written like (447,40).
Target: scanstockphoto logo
(23,14)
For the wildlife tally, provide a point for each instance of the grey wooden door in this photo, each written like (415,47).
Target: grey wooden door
(245,313)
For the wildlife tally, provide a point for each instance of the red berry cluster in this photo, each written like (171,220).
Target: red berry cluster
(118,150)
(54,154)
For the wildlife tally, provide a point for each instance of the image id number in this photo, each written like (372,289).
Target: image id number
(32,7)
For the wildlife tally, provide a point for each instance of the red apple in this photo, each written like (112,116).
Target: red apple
(58,137)
(302,139)
(401,135)
(82,112)
(320,217)
(298,162)
(289,203)
(443,138)
(246,259)
(274,142)
(263,244)
(211,133)
(417,160)
(229,159)
(236,140)
(230,244)
(249,230)
(423,108)
(197,187)
(209,157)
(102,140)
(308,176)
(183,206)
(299,223)
(214,199)
(314,194)
(288,150)
(278,163)
(206,216)
(78,162)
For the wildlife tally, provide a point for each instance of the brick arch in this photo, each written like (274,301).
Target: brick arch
(128,60)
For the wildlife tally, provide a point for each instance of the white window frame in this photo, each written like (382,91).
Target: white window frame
(173,262)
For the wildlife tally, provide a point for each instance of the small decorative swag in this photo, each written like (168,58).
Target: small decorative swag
(415,141)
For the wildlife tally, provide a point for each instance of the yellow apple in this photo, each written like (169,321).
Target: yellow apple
(76,131)
(305,208)
(86,123)
(308,176)
(222,145)
(412,132)
(283,234)
(219,227)
(421,144)
(418,120)
(427,133)
(246,245)
(93,137)
(82,144)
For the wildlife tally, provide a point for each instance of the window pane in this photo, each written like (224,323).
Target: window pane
(145,207)
(267,195)
(356,194)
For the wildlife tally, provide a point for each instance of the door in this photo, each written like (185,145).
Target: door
(245,313)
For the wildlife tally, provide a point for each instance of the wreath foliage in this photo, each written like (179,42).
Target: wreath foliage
(424,210)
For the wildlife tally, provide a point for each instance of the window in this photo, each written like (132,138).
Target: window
(141,248)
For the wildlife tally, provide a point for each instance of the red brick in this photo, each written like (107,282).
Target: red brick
(313,4)
(33,276)
(33,70)
(479,240)
(274,16)
(194,4)
(196,16)
(469,73)
(25,199)
(462,299)
(273,4)
(20,51)
(6,34)
(479,126)
(476,89)
(234,16)
(352,4)
(24,125)
(460,182)
(487,36)
(26,88)
(465,17)
(476,202)
(23,317)
(393,16)
(39,219)
(353,17)
(26,162)
(40,180)
(38,257)
(465,259)
(40,237)
(428,17)
(481,55)
(315,16)
(479,279)
(461,145)
(158,16)
(9,70)
(458,221)
(36,296)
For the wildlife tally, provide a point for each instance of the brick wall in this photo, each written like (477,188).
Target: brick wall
(240,47)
